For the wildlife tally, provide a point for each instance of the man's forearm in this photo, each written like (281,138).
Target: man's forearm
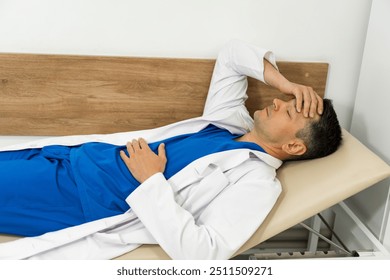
(306,98)
(273,77)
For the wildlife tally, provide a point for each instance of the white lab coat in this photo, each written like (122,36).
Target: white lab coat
(208,210)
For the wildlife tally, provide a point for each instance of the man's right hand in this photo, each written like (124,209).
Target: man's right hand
(142,162)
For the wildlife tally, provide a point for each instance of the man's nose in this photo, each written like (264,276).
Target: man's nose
(278,103)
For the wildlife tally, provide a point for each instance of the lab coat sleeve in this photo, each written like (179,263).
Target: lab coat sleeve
(236,61)
(223,226)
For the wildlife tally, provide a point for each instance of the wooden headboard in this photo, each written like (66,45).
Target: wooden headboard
(66,94)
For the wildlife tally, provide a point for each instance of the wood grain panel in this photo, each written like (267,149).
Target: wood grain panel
(65,94)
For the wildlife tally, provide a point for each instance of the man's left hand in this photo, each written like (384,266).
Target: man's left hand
(306,98)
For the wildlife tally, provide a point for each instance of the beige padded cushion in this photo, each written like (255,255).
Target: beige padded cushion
(309,187)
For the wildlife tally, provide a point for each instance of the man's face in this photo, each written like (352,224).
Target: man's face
(279,122)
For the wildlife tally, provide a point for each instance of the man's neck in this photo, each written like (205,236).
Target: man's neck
(269,149)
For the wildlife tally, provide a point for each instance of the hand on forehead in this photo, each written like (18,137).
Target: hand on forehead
(307,101)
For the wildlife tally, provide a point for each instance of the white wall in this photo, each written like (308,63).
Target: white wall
(371,117)
(307,30)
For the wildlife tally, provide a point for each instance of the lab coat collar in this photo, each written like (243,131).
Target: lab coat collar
(236,157)
(223,161)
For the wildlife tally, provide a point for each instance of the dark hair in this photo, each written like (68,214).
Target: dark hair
(322,137)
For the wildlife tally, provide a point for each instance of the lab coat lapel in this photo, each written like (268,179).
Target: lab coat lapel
(202,167)
(224,161)
(202,193)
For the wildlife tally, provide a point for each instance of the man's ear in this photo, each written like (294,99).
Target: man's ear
(295,147)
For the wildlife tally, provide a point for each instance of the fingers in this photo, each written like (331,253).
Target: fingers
(308,101)
(320,105)
(313,104)
(299,102)
(140,145)
(123,155)
(143,162)
(137,145)
(161,151)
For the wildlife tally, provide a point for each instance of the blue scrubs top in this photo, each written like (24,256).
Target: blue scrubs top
(104,182)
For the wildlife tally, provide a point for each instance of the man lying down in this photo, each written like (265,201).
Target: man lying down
(199,188)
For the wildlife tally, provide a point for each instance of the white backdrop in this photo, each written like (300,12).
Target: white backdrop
(303,30)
